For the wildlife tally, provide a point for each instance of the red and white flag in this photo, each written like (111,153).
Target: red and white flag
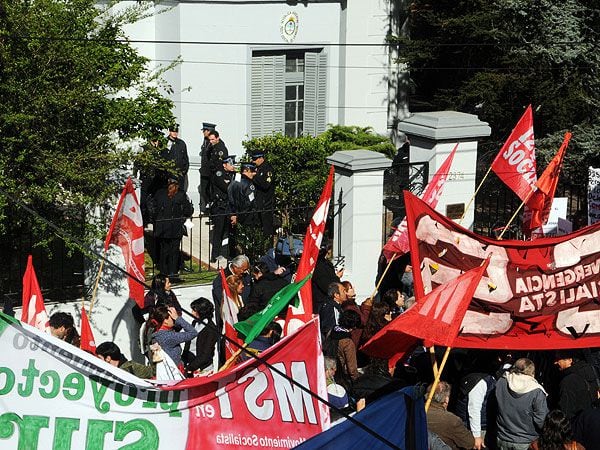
(541,201)
(87,337)
(229,315)
(297,316)
(398,241)
(436,318)
(34,311)
(127,231)
(515,163)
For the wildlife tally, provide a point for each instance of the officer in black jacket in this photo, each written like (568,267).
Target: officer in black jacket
(242,197)
(217,151)
(205,171)
(176,151)
(169,209)
(265,192)
(219,208)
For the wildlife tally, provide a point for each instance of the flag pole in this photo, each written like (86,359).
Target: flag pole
(95,290)
(473,196)
(383,275)
(232,358)
(436,380)
(433,360)
(515,214)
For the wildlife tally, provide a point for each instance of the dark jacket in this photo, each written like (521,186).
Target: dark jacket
(169,214)
(466,385)
(178,154)
(220,180)
(327,315)
(323,276)
(265,186)
(586,427)
(576,386)
(242,199)
(449,427)
(216,154)
(204,158)
(265,288)
(205,347)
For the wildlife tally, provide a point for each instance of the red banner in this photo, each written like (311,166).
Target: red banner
(308,260)
(398,242)
(126,231)
(538,294)
(252,406)
(34,311)
(515,163)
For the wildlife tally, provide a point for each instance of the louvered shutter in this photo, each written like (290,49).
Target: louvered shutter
(315,93)
(267,96)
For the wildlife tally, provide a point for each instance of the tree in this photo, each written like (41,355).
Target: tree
(493,58)
(75,100)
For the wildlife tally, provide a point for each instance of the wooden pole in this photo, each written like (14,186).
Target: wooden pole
(232,358)
(474,195)
(436,380)
(433,360)
(383,276)
(515,214)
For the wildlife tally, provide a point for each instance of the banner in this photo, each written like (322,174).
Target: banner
(538,294)
(126,230)
(56,396)
(398,242)
(593,196)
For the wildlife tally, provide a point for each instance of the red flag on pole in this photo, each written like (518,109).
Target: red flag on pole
(436,318)
(541,201)
(229,312)
(515,163)
(312,242)
(87,337)
(34,311)
(126,231)
(398,242)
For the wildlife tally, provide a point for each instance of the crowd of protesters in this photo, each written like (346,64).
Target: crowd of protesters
(485,399)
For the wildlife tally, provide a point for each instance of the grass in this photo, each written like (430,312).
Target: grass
(199,274)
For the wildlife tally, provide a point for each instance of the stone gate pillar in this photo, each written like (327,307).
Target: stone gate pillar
(432,137)
(358,228)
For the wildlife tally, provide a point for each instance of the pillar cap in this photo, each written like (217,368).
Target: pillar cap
(359,160)
(442,125)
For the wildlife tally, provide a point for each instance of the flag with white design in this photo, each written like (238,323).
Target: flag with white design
(127,232)
(34,311)
(297,316)
(398,242)
(229,312)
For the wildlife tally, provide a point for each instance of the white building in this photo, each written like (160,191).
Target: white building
(258,66)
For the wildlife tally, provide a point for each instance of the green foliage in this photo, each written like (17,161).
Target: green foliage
(493,58)
(66,112)
(300,164)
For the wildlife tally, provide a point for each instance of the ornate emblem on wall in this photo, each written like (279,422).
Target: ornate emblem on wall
(289,27)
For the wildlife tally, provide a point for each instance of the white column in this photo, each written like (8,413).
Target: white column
(358,227)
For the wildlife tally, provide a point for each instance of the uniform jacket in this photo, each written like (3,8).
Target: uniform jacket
(178,154)
(169,214)
(220,180)
(205,158)
(242,198)
(265,186)
(216,154)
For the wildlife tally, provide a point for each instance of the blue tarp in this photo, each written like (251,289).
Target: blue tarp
(398,417)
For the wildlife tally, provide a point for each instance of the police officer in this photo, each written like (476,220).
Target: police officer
(205,171)
(265,192)
(218,151)
(176,151)
(220,180)
(242,197)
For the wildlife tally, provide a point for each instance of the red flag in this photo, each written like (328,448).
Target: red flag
(515,163)
(398,242)
(87,337)
(436,318)
(34,311)
(541,201)
(229,312)
(308,260)
(126,231)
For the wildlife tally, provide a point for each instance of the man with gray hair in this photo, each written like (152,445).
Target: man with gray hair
(522,407)
(443,423)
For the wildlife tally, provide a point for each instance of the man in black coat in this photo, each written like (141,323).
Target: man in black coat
(219,209)
(578,386)
(169,209)
(176,151)
(266,285)
(205,171)
(323,275)
(265,192)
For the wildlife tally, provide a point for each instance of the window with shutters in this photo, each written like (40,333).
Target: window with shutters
(288,92)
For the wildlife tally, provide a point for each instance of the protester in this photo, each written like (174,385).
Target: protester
(339,344)
(378,318)
(363,310)
(556,434)
(62,326)
(578,387)
(206,339)
(586,426)
(111,353)
(160,294)
(522,406)
(266,284)
(161,323)
(269,336)
(394,298)
(445,424)
(240,265)
(331,309)
(336,393)
(236,289)
(323,275)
